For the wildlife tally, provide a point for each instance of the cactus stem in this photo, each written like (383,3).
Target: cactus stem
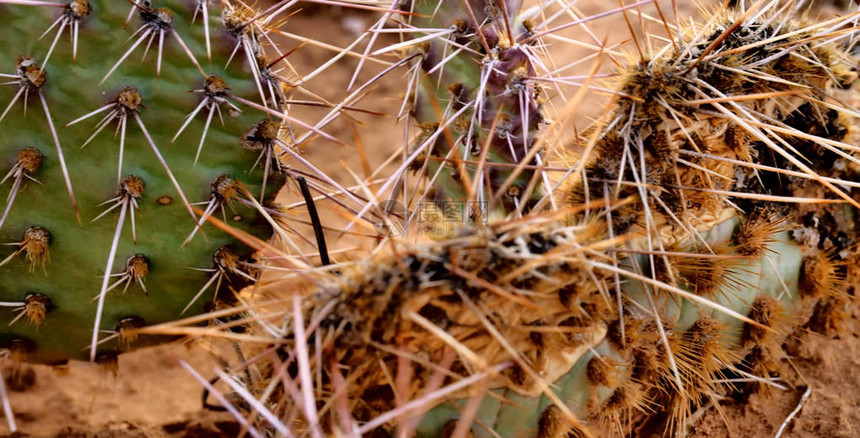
(260,137)
(429,398)
(215,94)
(184,49)
(63,21)
(156,22)
(75,11)
(128,100)
(675,290)
(131,189)
(21,308)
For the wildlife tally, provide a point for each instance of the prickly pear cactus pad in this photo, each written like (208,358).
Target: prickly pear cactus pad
(104,152)
(488,95)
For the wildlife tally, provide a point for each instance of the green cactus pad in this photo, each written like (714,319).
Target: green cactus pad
(71,274)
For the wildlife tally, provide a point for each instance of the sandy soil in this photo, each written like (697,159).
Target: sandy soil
(148,394)
(829,367)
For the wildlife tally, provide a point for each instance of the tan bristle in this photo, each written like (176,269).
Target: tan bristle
(703,343)
(36,246)
(820,276)
(626,400)
(757,233)
(225,188)
(553,424)
(36,306)
(602,371)
(708,276)
(226,258)
(649,353)
(765,310)
(738,141)
(701,353)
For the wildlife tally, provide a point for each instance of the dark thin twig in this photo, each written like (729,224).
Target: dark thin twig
(315,220)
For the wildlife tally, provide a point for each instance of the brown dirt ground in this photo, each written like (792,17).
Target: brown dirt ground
(828,366)
(150,395)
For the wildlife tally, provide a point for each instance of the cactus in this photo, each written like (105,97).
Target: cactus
(104,157)
(618,280)
(709,211)
(485,104)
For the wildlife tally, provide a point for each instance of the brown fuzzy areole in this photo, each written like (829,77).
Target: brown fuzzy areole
(706,275)
(30,160)
(36,246)
(602,371)
(755,235)
(626,401)
(768,312)
(820,276)
(552,424)
(36,305)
